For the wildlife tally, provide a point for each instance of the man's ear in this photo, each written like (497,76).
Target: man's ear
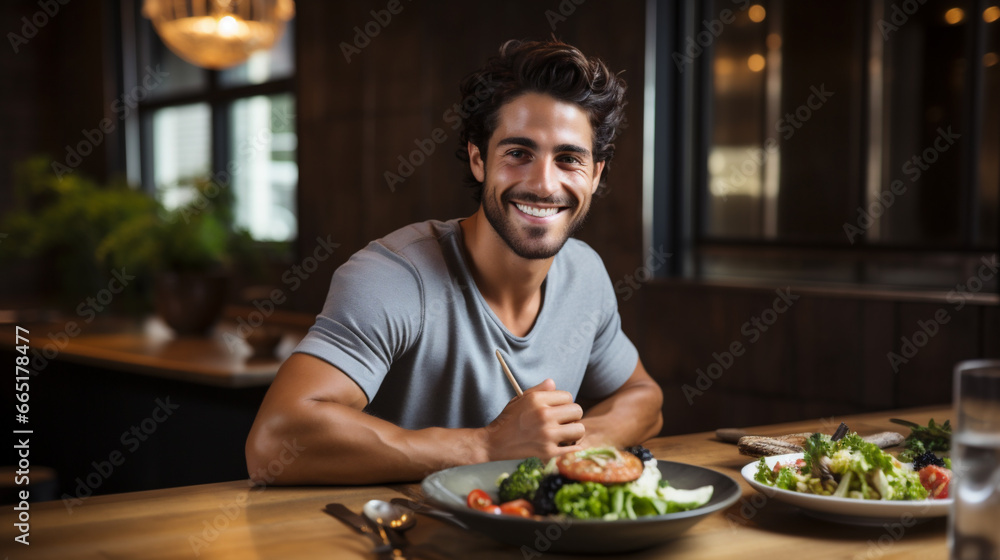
(598,170)
(476,162)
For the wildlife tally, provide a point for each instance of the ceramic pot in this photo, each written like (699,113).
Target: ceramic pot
(191,303)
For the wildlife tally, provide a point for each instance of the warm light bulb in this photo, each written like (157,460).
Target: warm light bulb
(227,26)
(954,16)
(755,63)
(990,59)
(991,14)
(223,36)
(757,13)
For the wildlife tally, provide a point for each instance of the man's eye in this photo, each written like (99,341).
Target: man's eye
(571,159)
(516,153)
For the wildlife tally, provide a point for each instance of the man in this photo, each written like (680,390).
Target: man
(398,377)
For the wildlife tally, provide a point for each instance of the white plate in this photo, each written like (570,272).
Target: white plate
(847,510)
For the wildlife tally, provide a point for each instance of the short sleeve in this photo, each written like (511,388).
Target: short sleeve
(371,316)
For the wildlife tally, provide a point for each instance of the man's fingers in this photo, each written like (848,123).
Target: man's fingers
(564,414)
(572,432)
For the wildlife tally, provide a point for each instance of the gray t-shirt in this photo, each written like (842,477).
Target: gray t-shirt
(405,320)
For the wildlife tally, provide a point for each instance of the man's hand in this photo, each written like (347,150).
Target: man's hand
(543,423)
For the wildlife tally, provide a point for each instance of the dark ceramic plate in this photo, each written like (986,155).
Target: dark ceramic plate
(448,489)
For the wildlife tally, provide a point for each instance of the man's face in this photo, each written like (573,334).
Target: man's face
(538,174)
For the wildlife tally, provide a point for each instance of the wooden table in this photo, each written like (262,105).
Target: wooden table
(233,520)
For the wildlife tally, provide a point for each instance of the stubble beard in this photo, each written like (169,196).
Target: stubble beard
(527,242)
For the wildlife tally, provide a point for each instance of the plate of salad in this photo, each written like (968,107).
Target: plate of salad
(848,480)
(596,500)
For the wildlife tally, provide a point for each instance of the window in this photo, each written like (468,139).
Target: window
(236,126)
(853,142)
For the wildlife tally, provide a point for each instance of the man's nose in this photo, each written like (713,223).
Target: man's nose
(544,180)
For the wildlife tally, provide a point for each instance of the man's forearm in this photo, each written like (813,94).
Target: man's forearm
(329,443)
(628,417)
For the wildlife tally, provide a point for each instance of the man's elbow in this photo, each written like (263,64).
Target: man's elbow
(270,456)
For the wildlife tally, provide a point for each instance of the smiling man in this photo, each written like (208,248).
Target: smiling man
(398,377)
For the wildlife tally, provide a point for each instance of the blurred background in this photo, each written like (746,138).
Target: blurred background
(802,222)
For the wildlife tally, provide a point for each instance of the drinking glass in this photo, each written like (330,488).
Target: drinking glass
(974,523)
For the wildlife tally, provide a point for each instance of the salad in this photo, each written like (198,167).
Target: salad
(932,438)
(598,483)
(850,467)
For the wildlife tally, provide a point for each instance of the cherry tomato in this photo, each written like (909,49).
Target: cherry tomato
(936,480)
(480,500)
(519,507)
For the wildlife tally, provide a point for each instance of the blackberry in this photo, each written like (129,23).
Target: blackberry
(641,452)
(929,458)
(544,501)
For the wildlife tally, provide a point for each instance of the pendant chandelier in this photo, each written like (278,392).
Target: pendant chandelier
(218,34)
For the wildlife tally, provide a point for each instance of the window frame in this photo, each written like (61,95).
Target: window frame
(682,143)
(219,98)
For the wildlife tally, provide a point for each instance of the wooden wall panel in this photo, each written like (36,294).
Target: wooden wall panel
(926,377)
(877,331)
(991,333)
(824,357)
(768,361)
(826,348)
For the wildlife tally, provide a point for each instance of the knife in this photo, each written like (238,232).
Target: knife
(383,549)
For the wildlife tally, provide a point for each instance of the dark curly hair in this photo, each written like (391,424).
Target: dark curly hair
(550,67)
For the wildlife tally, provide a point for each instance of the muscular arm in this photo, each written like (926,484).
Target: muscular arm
(311,430)
(629,416)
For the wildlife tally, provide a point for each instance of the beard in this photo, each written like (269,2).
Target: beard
(530,242)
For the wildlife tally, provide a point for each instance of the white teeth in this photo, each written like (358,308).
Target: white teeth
(536,212)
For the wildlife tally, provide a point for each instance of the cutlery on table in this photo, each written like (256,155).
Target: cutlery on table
(430,511)
(388,543)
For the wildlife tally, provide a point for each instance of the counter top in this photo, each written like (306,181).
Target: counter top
(149,347)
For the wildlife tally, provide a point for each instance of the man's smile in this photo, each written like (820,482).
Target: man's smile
(538,211)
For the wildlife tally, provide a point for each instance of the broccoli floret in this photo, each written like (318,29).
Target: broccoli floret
(523,482)
(544,501)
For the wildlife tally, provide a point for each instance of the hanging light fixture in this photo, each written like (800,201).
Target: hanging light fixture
(218,34)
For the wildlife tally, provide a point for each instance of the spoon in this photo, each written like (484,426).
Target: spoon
(389,516)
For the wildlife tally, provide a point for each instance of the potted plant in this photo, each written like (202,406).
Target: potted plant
(85,232)
(55,226)
(189,251)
